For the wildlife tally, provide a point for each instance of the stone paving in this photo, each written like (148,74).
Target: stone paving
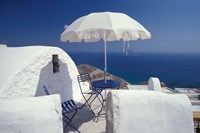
(85,122)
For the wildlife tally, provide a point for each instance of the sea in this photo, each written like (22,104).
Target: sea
(175,70)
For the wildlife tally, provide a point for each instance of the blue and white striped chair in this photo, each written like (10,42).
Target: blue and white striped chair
(67,108)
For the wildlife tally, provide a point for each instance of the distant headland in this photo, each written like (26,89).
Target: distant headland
(97,74)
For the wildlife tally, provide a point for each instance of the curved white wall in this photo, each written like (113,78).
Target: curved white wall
(25,115)
(25,70)
(140,111)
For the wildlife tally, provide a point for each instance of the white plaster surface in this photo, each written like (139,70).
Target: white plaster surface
(141,111)
(145,87)
(154,84)
(25,70)
(195,108)
(31,115)
(3,46)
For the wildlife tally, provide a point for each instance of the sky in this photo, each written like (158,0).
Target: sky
(173,24)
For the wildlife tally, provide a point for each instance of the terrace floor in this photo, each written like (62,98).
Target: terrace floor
(84,120)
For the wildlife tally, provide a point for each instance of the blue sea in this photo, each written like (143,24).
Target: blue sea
(175,70)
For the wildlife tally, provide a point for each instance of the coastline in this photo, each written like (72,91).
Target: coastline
(175,70)
(98,74)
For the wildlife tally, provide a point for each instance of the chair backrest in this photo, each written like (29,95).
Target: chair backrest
(84,81)
(84,77)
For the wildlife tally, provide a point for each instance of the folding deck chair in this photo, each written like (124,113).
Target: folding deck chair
(67,107)
(92,93)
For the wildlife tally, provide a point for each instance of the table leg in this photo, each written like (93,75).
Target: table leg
(102,101)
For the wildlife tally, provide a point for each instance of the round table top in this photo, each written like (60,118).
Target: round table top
(107,84)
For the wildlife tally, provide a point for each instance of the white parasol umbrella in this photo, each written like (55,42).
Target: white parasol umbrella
(108,26)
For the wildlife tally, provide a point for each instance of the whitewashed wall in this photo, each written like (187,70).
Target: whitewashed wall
(148,112)
(3,46)
(25,70)
(31,115)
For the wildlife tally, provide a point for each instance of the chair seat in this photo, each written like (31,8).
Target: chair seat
(89,92)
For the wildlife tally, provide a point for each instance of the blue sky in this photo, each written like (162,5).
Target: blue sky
(174,24)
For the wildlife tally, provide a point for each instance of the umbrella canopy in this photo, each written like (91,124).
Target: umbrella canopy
(108,26)
(105,25)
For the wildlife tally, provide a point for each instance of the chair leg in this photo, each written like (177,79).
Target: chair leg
(102,101)
(69,121)
(89,105)
(97,96)
(86,101)
(91,99)
(94,99)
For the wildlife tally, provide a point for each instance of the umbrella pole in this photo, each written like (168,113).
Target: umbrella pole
(127,47)
(124,47)
(105,59)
